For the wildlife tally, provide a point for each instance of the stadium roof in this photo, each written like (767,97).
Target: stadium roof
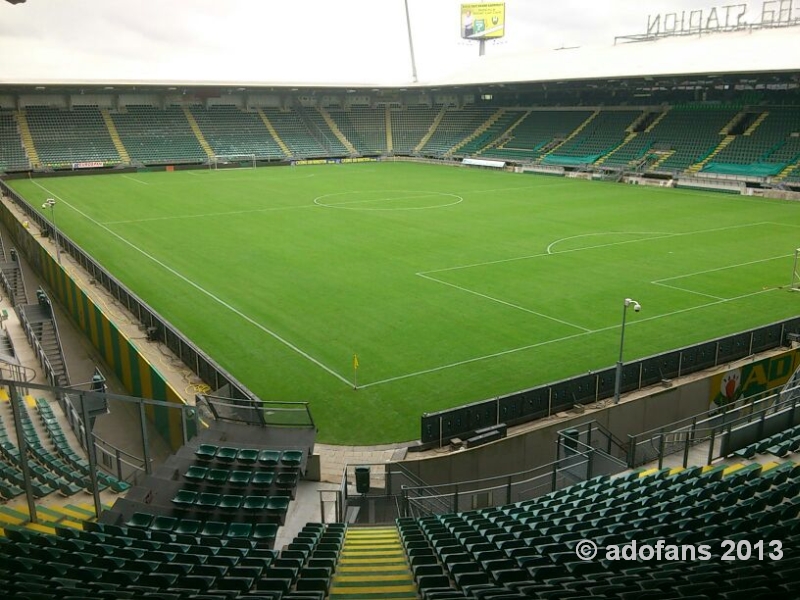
(110,46)
(758,51)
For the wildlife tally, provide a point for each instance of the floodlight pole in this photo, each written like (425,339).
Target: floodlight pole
(51,204)
(618,379)
(411,45)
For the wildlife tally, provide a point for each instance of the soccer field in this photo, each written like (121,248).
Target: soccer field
(451,285)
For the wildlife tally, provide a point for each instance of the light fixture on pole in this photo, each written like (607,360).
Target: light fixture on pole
(51,204)
(618,380)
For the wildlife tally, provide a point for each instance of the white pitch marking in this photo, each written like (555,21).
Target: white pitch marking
(503,302)
(343,205)
(680,289)
(595,247)
(203,215)
(736,266)
(658,235)
(556,340)
(201,289)
(136,180)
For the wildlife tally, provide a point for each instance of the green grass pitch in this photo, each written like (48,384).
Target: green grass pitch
(451,285)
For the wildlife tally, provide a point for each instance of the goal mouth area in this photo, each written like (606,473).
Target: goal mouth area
(232,161)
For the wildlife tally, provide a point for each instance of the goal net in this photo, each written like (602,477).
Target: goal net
(796,271)
(232,161)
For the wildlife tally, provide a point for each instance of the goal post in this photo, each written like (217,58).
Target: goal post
(796,271)
(232,161)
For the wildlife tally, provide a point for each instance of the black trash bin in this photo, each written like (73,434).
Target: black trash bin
(362,480)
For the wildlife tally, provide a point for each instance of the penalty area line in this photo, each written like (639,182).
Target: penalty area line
(561,339)
(202,290)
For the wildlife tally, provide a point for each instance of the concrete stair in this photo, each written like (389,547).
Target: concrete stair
(27,140)
(112,131)
(627,139)
(372,566)
(431,130)
(698,166)
(577,130)
(478,131)
(274,133)
(198,133)
(337,132)
(389,142)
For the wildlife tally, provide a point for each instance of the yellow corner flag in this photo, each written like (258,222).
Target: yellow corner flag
(355,361)
(355,371)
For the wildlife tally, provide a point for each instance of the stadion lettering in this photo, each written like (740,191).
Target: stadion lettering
(723,18)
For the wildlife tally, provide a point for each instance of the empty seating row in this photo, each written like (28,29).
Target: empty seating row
(64,137)
(157,136)
(779,444)
(249,456)
(409,126)
(269,508)
(12,152)
(527,549)
(62,449)
(206,477)
(105,562)
(229,131)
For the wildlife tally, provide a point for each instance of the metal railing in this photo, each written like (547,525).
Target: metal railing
(438,428)
(713,427)
(190,355)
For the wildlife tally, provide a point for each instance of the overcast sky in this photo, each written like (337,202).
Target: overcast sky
(302,41)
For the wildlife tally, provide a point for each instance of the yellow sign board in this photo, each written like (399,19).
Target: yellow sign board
(483,21)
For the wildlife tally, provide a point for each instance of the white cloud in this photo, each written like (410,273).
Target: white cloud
(311,41)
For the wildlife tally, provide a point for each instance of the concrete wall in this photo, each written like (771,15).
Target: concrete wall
(537,446)
(121,354)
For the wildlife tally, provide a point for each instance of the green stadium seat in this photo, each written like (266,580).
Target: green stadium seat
(269,458)
(247,456)
(185,498)
(226,454)
(206,452)
(240,478)
(263,479)
(196,473)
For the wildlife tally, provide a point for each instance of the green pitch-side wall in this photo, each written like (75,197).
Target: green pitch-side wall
(139,377)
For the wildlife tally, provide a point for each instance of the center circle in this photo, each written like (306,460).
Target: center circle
(418,200)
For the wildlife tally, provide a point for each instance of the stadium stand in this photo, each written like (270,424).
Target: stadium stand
(156,136)
(600,136)
(521,550)
(490,135)
(538,133)
(457,124)
(333,143)
(231,131)
(295,133)
(409,125)
(64,137)
(364,126)
(12,153)
(763,145)
(690,133)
